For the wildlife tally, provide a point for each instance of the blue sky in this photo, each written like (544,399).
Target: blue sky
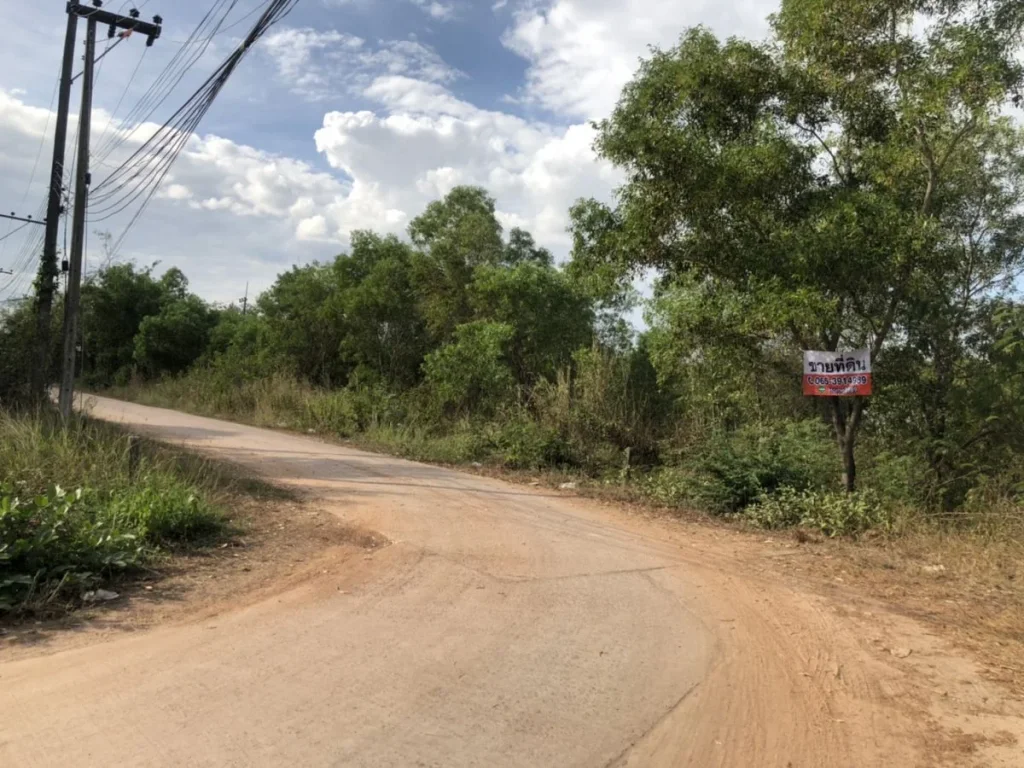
(350,114)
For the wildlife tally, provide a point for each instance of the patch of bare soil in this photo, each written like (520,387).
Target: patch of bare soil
(277,542)
(965,589)
(946,622)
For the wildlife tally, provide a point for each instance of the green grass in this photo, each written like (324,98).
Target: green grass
(75,513)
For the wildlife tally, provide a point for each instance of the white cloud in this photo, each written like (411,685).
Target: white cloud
(322,64)
(442,11)
(226,214)
(425,141)
(582,52)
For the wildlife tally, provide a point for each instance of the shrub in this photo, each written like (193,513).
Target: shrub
(761,459)
(470,374)
(522,443)
(165,513)
(833,513)
(55,543)
(672,486)
(332,413)
(58,540)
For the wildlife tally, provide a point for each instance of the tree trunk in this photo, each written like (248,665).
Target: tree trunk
(847,424)
(849,462)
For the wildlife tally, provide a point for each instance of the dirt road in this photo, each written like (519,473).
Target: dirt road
(502,626)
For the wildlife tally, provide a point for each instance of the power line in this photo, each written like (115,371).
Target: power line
(168,79)
(35,163)
(15,231)
(141,174)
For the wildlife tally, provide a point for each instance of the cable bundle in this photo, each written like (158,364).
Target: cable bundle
(141,174)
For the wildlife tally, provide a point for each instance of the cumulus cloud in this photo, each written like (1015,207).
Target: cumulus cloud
(581,52)
(423,141)
(442,11)
(227,210)
(318,64)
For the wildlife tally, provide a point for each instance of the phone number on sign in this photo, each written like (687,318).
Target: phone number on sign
(837,381)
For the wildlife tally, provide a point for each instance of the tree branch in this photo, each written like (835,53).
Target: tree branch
(825,146)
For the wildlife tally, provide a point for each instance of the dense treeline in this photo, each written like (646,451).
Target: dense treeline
(852,183)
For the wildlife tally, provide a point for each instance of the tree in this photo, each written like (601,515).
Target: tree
(549,317)
(171,341)
(385,332)
(454,236)
(305,317)
(470,375)
(522,249)
(114,304)
(825,176)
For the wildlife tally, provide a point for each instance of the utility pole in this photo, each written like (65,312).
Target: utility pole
(245,299)
(73,300)
(94,16)
(48,264)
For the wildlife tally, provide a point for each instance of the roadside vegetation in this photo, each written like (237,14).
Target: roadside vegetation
(853,182)
(77,513)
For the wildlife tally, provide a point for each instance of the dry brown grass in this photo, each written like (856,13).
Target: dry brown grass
(965,579)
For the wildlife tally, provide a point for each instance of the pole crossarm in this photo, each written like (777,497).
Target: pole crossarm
(114,21)
(26,219)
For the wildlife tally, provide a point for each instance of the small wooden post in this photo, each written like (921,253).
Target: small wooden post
(627,469)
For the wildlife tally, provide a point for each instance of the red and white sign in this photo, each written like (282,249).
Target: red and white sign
(837,374)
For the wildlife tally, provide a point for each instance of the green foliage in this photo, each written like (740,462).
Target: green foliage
(454,237)
(832,513)
(470,374)
(733,472)
(385,334)
(171,341)
(165,513)
(520,442)
(523,249)
(549,319)
(17,349)
(305,324)
(114,305)
(851,183)
(55,543)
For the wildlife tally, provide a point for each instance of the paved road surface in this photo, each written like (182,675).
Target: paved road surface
(504,626)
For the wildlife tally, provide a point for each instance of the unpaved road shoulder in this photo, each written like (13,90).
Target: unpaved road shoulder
(502,627)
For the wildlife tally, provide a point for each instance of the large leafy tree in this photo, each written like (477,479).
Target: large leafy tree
(305,325)
(840,178)
(114,304)
(550,318)
(385,331)
(171,341)
(454,236)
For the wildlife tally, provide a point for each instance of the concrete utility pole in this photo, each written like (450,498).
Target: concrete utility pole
(48,265)
(245,299)
(72,305)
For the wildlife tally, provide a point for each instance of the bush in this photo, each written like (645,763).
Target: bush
(833,513)
(672,486)
(470,375)
(522,443)
(55,543)
(58,540)
(760,459)
(165,513)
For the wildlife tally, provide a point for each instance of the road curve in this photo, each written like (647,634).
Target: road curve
(502,626)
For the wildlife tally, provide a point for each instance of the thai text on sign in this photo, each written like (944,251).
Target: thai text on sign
(837,374)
